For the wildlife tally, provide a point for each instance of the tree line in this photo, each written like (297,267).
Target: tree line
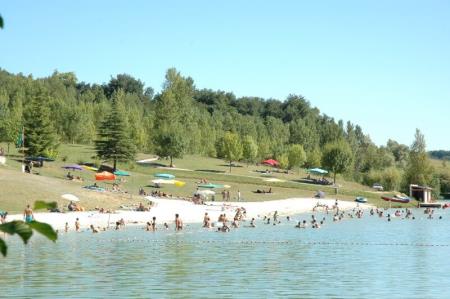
(123,117)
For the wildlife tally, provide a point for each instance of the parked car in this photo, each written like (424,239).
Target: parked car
(378,187)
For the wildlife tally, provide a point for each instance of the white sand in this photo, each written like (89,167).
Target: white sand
(165,210)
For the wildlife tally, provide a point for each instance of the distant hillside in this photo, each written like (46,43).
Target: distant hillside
(440,155)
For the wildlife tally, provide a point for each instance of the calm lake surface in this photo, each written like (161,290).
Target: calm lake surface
(354,258)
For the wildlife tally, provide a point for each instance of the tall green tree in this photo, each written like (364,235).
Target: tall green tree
(419,169)
(114,143)
(40,134)
(313,158)
(172,144)
(232,147)
(296,156)
(337,157)
(249,149)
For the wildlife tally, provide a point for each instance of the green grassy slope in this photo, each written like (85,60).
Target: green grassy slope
(19,189)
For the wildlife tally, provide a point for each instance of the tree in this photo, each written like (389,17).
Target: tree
(418,169)
(232,147)
(313,158)
(172,144)
(337,157)
(249,149)
(40,134)
(114,143)
(296,156)
(283,159)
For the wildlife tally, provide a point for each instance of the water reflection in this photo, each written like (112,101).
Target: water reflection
(367,258)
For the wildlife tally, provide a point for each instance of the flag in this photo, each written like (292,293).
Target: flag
(20,139)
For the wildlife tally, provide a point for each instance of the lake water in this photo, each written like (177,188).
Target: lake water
(355,258)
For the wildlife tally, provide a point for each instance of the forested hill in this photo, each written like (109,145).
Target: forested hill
(183,119)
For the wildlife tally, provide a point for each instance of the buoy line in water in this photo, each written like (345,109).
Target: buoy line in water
(253,242)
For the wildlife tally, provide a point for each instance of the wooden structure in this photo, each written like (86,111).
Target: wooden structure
(423,195)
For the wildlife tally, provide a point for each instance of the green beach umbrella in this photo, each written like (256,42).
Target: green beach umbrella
(121,173)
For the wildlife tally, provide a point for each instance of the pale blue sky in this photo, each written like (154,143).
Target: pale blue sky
(382,64)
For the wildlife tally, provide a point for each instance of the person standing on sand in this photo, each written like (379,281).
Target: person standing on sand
(228,195)
(28,214)
(178,222)
(239,195)
(77,225)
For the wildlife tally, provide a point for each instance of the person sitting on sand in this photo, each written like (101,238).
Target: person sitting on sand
(178,223)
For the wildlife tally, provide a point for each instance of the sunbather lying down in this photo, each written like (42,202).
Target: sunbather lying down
(264,191)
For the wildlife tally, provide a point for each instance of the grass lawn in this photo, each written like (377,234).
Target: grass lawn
(19,189)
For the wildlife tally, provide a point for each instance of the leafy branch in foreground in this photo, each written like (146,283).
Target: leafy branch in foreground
(25,230)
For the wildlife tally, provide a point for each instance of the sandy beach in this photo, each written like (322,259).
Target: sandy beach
(165,209)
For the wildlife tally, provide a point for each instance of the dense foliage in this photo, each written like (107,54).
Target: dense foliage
(182,119)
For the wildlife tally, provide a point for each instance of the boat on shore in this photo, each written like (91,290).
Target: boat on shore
(396,198)
(361,199)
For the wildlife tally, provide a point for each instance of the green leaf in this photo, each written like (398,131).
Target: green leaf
(40,204)
(3,247)
(17,227)
(44,229)
(1,22)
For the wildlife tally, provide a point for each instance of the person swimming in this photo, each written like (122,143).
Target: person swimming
(94,230)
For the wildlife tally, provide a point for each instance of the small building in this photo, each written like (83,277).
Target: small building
(421,194)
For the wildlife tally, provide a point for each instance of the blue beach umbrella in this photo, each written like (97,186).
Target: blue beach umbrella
(121,173)
(317,171)
(165,176)
(73,167)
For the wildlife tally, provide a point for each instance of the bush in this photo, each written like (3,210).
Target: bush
(390,178)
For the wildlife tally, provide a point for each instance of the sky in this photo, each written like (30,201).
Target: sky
(382,64)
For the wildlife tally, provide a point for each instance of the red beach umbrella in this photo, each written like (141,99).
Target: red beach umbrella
(271,162)
(105,176)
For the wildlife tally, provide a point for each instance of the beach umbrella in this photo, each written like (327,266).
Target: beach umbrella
(271,162)
(121,173)
(70,197)
(317,171)
(90,168)
(105,176)
(73,167)
(166,176)
(205,192)
(179,183)
(161,181)
(212,186)
(39,159)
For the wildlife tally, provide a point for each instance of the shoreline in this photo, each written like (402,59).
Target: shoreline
(165,209)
